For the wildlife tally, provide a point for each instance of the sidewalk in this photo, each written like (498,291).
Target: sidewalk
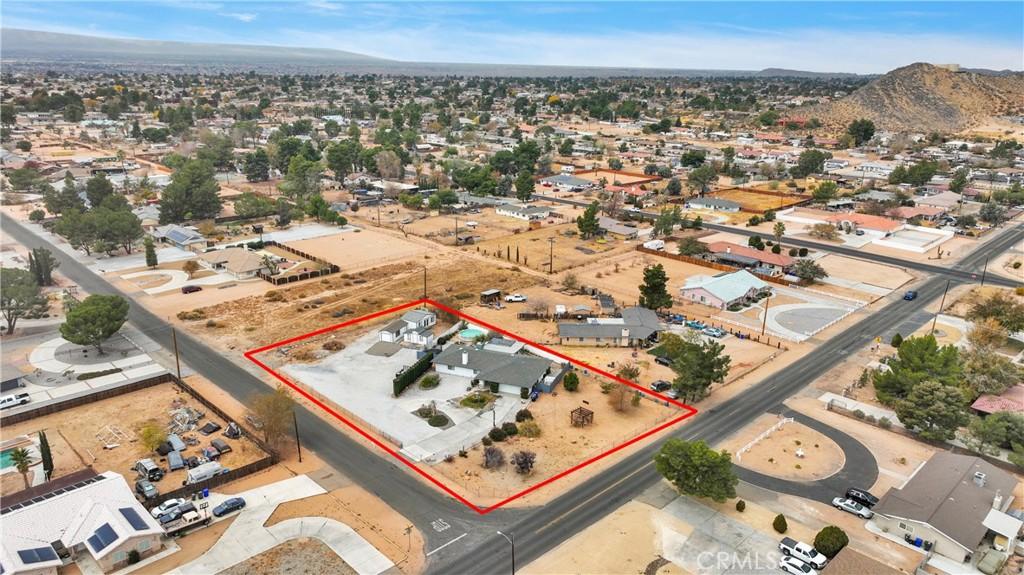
(247,536)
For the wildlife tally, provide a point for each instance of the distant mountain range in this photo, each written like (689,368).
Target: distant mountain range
(31,49)
(926,98)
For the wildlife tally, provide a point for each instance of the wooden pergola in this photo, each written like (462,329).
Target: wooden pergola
(581,417)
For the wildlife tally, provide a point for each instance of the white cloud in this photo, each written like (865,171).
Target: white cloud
(240,16)
(324,5)
(813,49)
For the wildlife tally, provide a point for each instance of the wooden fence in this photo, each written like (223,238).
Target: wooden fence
(327,268)
(712,265)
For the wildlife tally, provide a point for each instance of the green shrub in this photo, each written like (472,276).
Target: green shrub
(494,387)
(510,428)
(830,541)
(487,441)
(741,505)
(134,557)
(524,393)
(36,215)
(858,414)
(803,252)
(496,434)
(430,381)
(438,420)
(95,374)
(1016,265)
(522,415)
(896,341)
(779,524)
(529,428)
(571,381)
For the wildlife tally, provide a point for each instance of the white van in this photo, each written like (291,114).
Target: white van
(204,472)
(655,245)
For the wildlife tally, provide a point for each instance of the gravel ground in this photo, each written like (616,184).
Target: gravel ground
(295,557)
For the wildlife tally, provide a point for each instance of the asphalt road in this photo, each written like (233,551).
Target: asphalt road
(546,527)
(374,471)
(952,273)
(459,540)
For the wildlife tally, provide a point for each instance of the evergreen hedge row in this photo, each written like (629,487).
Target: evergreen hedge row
(409,376)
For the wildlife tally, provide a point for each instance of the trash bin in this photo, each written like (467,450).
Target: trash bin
(206,493)
(918,542)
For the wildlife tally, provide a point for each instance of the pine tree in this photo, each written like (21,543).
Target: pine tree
(151,260)
(45,455)
(654,291)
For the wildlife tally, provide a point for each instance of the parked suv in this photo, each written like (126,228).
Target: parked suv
(661,385)
(146,489)
(147,469)
(861,496)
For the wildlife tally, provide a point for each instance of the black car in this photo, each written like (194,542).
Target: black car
(233,504)
(663,360)
(661,385)
(861,496)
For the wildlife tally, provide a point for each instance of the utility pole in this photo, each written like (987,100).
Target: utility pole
(984,270)
(941,303)
(456,229)
(764,320)
(298,444)
(551,256)
(177,358)
(424,282)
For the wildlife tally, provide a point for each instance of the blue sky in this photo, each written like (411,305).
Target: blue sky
(824,36)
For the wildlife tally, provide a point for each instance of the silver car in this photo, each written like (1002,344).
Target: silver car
(851,506)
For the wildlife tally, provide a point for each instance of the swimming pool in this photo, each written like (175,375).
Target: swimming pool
(469,334)
(5,459)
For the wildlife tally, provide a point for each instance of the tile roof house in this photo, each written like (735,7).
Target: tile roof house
(723,290)
(764,261)
(905,213)
(952,501)
(1010,400)
(239,262)
(510,372)
(88,518)
(638,326)
(415,327)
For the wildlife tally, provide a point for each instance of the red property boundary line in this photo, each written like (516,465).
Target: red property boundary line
(688,411)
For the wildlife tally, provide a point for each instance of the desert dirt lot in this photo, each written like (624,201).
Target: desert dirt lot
(560,445)
(759,200)
(289,311)
(776,455)
(534,248)
(74,443)
(360,249)
(301,556)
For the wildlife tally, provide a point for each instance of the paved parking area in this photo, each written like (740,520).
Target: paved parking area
(718,544)
(362,384)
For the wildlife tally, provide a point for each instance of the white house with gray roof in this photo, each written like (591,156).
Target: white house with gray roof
(415,327)
(511,372)
(638,326)
(523,212)
(723,290)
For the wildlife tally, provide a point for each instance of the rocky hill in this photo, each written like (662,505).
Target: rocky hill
(925,98)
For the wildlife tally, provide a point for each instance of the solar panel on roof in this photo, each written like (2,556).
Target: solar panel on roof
(133,518)
(103,537)
(37,555)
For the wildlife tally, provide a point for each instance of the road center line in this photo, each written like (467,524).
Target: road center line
(429,553)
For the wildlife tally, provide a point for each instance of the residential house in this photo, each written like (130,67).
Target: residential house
(616,228)
(951,504)
(1011,400)
(239,262)
(715,204)
(761,261)
(81,517)
(929,213)
(852,562)
(179,236)
(523,212)
(415,327)
(566,182)
(724,290)
(509,372)
(637,327)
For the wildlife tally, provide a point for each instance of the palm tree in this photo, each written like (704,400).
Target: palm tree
(22,461)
